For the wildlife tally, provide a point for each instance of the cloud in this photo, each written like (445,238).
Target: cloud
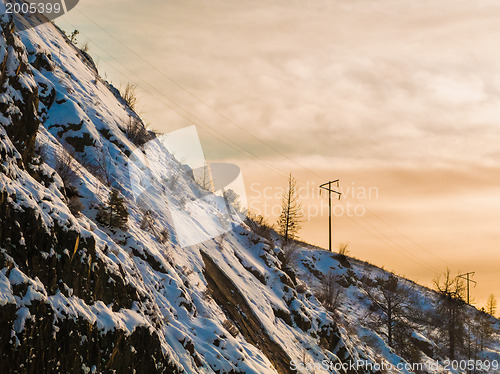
(378,80)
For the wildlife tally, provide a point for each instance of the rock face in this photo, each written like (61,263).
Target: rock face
(35,259)
(20,94)
(236,308)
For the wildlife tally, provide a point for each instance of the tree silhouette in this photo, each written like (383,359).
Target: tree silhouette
(392,302)
(291,212)
(114,213)
(450,309)
(491,305)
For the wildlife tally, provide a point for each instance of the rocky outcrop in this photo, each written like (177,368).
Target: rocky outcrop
(86,349)
(237,310)
(19,94)
(44,256)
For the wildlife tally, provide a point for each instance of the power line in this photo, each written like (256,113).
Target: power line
(396,248)
(446,262)
(401,249)
(196,121)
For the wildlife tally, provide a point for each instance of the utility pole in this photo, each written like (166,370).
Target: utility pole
(329,189)
(467,276)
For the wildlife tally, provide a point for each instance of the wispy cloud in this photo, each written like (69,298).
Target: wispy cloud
(379,80)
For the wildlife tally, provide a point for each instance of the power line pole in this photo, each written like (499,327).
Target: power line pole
(329,189)
(467,276)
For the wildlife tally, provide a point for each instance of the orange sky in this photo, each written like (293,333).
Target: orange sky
(397,95)
(413,222)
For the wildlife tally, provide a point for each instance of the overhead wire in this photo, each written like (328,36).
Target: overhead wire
(395,247)
(187,115)
(198,99)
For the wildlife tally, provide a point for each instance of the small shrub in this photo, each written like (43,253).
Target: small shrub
(186,271)
(290,254)
(75,205)
(271,244)
(114,213)
(148,221)
(130,95)
(163,237)
(85,47)
(206,294)
(259,225)
(182,202)
(149,224)
(233,200)
(173,182)
(301,288)
(221,240)
(330,294)
(66,167)
(343,249)
(137,133)
(73,36)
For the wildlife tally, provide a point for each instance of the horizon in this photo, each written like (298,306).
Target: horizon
(390,96)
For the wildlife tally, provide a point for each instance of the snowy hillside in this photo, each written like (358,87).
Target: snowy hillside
(83,296)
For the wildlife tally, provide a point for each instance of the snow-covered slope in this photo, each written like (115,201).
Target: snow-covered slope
(78,296)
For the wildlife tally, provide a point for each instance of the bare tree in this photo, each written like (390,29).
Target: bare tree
(450,310)
(482,328)
(291,212)
(103,167)
(173,181)
(290,254)
(330,293)
(66,167)
(204,179)
(392,303)
(491,305)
